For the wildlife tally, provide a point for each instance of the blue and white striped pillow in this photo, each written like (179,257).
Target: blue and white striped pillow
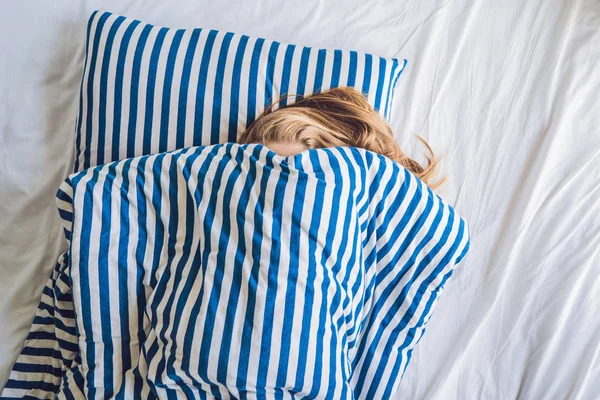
(148,89)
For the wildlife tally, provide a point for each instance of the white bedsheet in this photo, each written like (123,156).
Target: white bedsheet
(509,91)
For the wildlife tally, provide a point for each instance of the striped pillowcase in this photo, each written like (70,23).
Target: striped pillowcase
(148,89)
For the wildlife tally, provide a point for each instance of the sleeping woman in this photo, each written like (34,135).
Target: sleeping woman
(303,262)
(333,118)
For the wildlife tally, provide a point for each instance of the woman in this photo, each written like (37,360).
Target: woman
(250,280)
(333,118)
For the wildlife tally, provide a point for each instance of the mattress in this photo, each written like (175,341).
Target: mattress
(506,92)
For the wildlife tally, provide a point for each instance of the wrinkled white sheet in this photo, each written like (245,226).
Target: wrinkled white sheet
(509,91)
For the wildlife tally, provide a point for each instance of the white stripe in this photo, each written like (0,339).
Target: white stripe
(327,70)
(311,71)
(344,68)
(360,71)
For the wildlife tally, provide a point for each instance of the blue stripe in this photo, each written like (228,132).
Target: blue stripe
(123,255)
(352,69)
(39,320)
(166,93)
(40,352)
(301,87)
(286,72)
(61,195)
(66,215)
(337,65)
(48,292)
(390,87)
(84,76)
(319,71)
(103,88)
(133,91)
(184,88)
(140,262)
(90,92)
(46,307)
(152,69)
(31,385)
(234,100)
(103,267)
(84,280)
(380,80)
(464,252)
(218,92)
(201,87)
(270,73)
(367,75)
(118,101)
(38,368)
(253,81)
(159,228)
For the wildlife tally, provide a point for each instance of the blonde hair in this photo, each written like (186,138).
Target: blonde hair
(336,117)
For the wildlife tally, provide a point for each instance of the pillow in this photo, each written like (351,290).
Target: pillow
(148,89)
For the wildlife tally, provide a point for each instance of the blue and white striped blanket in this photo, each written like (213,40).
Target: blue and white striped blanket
(229,271)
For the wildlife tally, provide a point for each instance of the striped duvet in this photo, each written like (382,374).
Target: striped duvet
(230,272)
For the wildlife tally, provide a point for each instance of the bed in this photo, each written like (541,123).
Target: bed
(508,92)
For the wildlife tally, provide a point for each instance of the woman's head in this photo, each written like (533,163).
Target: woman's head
(336,117)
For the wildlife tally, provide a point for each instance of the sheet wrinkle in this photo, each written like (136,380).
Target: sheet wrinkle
(420,25)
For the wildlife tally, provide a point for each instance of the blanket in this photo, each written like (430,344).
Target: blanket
(229,271)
